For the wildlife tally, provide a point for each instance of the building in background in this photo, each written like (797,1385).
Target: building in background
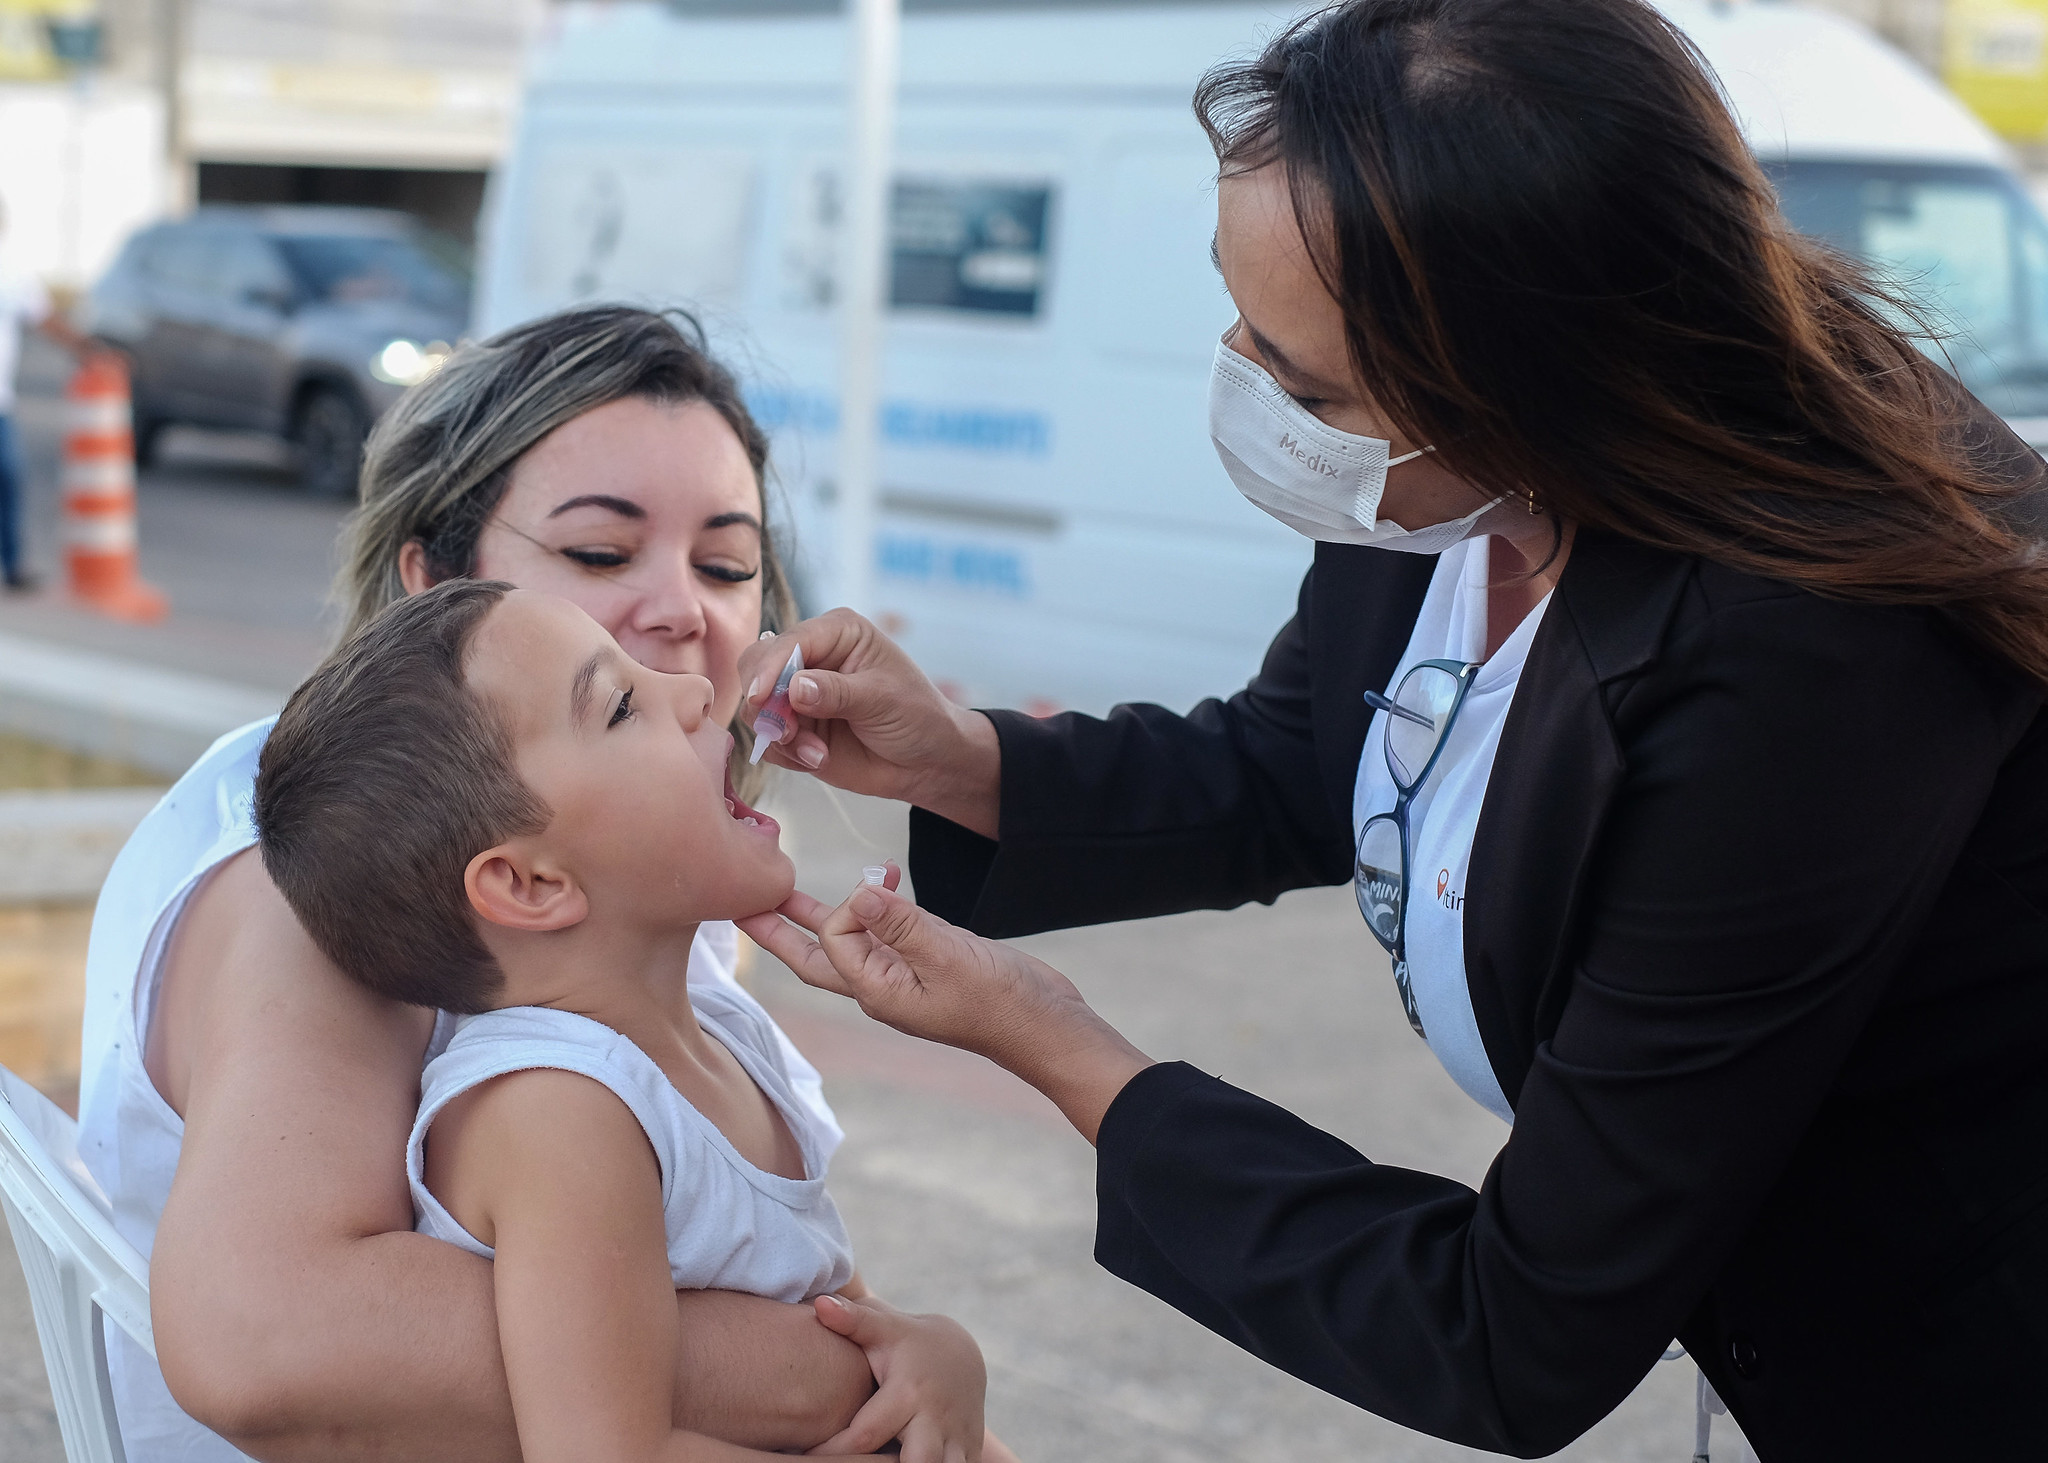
(82,141)
(1992,53)
(389,103)
(407,104)
(1996,57)
(1914,26)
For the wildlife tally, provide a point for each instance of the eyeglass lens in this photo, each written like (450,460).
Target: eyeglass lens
(1380,882)
(1429,691)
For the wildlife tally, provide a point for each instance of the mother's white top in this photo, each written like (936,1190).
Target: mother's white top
(128,1136)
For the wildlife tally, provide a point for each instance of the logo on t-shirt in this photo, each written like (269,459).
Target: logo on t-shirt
(1448,897)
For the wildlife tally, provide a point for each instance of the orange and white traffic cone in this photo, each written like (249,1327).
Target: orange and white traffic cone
(99,495)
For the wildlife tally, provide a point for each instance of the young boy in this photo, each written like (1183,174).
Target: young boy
(480,804)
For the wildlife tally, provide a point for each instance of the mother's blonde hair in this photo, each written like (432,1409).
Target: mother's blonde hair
(440,460)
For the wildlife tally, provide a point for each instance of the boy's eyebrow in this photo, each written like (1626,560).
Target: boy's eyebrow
(579,689)
(624,507)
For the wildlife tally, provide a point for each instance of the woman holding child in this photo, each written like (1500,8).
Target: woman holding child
(1690,765)
(247,1105)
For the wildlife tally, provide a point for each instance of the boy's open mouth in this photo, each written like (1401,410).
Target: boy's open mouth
(739,811)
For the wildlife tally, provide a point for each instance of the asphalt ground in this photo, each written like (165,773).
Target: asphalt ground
(963,1189)
(244,556)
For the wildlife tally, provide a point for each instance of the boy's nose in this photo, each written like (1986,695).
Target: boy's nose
(693,700)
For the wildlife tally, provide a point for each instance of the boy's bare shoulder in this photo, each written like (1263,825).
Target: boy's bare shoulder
(538,1140)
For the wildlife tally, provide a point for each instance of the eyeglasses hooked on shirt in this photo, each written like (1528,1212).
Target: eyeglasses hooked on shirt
(1420,714)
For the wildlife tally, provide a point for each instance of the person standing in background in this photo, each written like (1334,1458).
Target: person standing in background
(23,301)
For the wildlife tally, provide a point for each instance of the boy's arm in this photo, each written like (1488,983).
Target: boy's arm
(933,1382)
(296,1312)
(918,1385)
(557,1173)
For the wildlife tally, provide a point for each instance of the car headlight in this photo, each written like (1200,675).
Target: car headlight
(407,362)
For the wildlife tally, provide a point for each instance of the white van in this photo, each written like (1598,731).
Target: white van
(1055,529)
(1870,153)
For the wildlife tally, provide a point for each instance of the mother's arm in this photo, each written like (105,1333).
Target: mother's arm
(296,1312)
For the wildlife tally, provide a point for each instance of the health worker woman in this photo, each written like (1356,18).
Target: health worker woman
(1668,683)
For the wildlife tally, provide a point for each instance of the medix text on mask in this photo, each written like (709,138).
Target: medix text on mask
(1320,482)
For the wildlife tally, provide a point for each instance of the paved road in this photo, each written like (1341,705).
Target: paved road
(243,555)
(963,1189)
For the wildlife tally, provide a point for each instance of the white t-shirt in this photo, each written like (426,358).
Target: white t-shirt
(1444,813)
(128,1136)
(730,1225)
(22,302)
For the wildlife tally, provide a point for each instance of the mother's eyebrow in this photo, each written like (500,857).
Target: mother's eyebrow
(579,689)
(624,507)
(729,520)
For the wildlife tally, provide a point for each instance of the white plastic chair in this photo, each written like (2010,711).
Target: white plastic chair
(81,1273)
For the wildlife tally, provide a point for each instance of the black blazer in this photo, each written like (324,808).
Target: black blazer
(1757,938)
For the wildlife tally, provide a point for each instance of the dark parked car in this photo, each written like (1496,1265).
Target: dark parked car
(304,321)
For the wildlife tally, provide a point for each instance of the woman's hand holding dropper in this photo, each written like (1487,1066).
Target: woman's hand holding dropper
(871,722)
(912,970)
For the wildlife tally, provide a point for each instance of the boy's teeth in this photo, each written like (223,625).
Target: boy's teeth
(731,808)
(752,822)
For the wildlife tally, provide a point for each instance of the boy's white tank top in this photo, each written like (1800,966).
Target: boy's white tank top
(730,1225)
(128,1136)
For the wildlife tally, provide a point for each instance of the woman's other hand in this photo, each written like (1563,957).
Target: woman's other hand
(912,970)
(931,1383)
(870,721)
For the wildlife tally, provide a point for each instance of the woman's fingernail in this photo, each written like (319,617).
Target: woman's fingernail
(754,689)
(811,756)
(835,1302)
(766,635)
(868,904)
(803,690)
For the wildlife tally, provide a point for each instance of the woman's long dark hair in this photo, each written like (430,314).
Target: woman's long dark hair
(1558,261)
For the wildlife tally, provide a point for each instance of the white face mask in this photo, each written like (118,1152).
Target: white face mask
(1315,479)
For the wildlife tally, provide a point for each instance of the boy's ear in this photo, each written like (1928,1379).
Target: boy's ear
(509,886)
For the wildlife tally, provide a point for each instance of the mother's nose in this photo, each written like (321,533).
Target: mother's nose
(668,601)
